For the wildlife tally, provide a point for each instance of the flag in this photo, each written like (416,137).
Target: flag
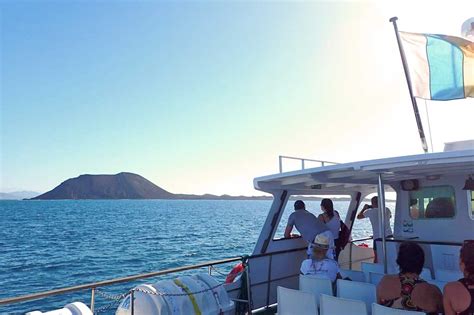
(441,67)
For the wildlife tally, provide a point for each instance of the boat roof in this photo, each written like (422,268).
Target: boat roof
(363,176)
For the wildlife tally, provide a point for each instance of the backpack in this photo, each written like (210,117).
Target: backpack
(344,235)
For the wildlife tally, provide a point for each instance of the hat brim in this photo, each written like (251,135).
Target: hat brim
(320,246)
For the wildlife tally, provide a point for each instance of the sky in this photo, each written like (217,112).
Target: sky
(201,97)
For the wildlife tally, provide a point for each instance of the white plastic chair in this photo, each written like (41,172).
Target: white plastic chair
(331,305)
(354,290)
(375,277)
(294,302)
(371,267)
(445,257)
(438,283)
(316,286)
(447,275)
(354,275)
(383,310)
(426,274)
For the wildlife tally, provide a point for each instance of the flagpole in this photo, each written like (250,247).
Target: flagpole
(407,76)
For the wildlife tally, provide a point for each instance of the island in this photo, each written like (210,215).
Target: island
(127,185)
(123,186)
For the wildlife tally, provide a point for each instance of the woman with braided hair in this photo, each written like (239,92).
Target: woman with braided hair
(459,295)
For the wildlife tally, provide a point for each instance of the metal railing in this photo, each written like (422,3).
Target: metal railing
(350,249)
(95,285)
(303,160)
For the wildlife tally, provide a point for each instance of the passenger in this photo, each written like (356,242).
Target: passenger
(319,264)
(372,212)
(309,226)
(332,220)
(459,295)
(407,290)
(414,210)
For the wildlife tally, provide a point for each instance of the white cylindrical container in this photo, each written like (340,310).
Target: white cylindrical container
(181,296)
(76,308)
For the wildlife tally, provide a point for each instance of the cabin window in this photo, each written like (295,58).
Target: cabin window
(432,202)
(312,202)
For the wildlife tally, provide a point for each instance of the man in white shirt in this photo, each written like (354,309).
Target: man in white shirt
(372,212)
(319,264)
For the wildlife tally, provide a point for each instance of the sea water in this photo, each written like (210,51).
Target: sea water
(52,244)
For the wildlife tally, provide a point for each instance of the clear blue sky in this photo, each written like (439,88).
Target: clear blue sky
(199,96)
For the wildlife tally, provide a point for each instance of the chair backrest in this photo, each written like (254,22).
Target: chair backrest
(375,277)
(370,267)
(331,305)
(354,275)
(354,290)
(447,275)
(383,310)
(438,283)
(426,274)
(391,249)
(292,302)
(316,285)
(445,257)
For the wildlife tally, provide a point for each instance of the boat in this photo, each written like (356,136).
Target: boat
(441,182)
(434,207)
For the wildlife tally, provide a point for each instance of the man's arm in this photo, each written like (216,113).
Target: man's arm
(361,213)
(288,231)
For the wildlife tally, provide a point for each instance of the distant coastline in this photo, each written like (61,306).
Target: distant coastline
(128,186)
(123,186)
(18,195)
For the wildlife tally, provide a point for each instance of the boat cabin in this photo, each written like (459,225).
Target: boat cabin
(434,206)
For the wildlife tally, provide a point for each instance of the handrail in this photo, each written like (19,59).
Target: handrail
(350,248)
(104,283)
(362,239)
(281,157)
(94,285)
(416,240)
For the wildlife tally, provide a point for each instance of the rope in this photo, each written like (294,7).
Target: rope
(197,311)
(112,297)
(107,307)
(176,294)
(218,272)
(429,126)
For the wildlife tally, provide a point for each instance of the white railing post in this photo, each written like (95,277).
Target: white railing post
(280,160)
(381,205)
(302,164)
(92,299)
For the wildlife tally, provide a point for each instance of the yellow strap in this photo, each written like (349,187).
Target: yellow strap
(197,311)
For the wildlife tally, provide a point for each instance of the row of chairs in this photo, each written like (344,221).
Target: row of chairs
(362,289)
(439,274)
(373,273)
(298,302)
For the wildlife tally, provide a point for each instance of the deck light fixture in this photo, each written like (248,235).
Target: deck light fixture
(409,185)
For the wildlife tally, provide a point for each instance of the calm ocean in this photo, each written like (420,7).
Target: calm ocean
(53,244)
